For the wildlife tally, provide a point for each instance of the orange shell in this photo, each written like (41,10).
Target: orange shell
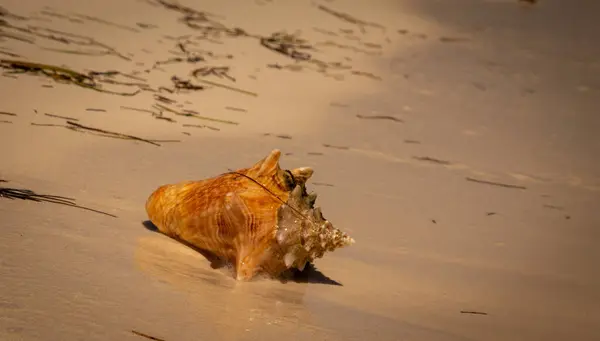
(259,219)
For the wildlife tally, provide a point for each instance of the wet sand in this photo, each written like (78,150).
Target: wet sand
(455,143)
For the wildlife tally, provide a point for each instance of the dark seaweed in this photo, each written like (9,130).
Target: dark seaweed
(25,194)
(492,183)
(379,117)
(432,160)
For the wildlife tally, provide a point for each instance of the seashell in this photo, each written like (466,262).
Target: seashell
(260,219)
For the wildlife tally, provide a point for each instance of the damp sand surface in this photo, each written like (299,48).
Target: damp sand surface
(455,142)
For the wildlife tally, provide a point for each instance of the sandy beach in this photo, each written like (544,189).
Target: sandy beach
(455,141)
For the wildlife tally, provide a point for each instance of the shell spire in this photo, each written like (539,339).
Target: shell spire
(300,223)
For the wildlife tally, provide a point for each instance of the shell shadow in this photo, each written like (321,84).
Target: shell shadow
(310,274)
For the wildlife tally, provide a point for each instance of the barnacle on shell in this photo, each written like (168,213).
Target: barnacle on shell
(259,219)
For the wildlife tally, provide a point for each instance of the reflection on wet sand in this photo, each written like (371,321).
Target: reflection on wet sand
(252,305)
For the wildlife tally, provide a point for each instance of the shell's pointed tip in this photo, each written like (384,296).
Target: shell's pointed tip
(273,156)
(302,174)
(347,241)
(267,165)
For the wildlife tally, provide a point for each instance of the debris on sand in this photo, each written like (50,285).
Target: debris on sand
(492,183)
(101,132)
(25,194)
(380,117)
(473,312)
(149,337)
(63,75)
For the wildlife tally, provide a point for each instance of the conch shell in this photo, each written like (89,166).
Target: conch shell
(260,219)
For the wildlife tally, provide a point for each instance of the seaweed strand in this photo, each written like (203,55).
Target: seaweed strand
(25,194)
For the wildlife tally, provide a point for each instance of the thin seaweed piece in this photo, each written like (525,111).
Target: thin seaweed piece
(349,19)
(25,194)
(281,136)
(65,38)
(51,125)
(59,75)
(165,141)
(184,84)
(165,108)
(146,26)
(218,71)
(149,337)
(492,183)
(349,48)
(55,72)
(194,114)
(365,74)
(164,99)
(432,160)
(287,44)
(174,60)
(453,39)
(236,109)
(63,117)
(379,117)
(108,77)
(335,147)
(164,118)
(112,133)
(245,92)
(78,128)
(105,22)
(201,126)
(138,109)
(473,312)
(553,207)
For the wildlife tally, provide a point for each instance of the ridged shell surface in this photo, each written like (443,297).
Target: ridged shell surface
(258,219)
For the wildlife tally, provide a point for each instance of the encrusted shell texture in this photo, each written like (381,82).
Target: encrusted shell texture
(258,219)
